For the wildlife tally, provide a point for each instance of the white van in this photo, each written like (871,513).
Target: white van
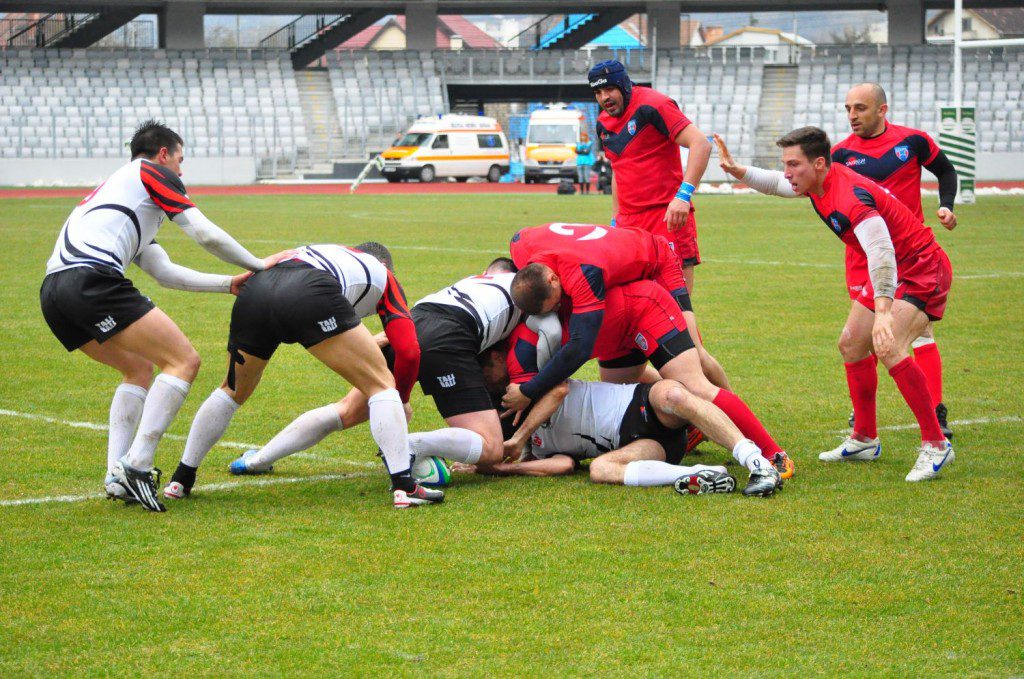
(457,146)
(551,139)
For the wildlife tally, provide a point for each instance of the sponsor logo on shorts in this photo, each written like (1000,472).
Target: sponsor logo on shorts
(107,324)
(329,324)
(902,152)
(641,341)
(631,127)
(447,381)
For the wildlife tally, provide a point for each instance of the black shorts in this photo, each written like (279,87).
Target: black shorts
(449,369)
(641,422)
(291,302)
(90,303)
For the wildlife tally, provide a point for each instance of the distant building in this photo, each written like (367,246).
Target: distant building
(980,24)
(454,31)
(779,44)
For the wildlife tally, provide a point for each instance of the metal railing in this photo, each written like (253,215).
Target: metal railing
(43,31)
(300,31)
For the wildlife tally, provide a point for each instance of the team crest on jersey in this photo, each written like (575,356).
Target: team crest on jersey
(329,324)
(902,152)
(536,441)
(631,127)
(641,341)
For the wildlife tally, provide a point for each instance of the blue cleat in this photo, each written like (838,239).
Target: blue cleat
(240,467)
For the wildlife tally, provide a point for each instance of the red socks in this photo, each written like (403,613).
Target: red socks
(928,359)
(862,378)
(748,424)
(912,384)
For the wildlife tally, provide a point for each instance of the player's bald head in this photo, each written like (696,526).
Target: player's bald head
(870,92)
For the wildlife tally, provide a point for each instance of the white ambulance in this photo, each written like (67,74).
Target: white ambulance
(551,139)
(457,146)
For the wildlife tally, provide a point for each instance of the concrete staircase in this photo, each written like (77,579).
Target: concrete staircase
(321,117)
(775,113)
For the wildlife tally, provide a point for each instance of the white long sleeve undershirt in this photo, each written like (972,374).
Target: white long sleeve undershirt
(770,182)
(155,261)
(216,240)
(873,236)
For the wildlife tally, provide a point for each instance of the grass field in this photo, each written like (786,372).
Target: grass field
(849,570)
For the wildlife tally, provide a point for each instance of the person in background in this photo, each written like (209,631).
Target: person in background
(584,161)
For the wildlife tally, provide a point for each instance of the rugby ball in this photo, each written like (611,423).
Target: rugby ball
(432,472)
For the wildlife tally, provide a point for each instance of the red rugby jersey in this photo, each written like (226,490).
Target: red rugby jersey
(849,199)
(892,160)
(588,258)
(641,146)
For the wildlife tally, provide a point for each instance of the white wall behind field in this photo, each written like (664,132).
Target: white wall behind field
(91,171)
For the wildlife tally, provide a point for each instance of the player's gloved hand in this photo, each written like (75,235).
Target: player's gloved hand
(881,334)
(726,161)
(278,257)
(238,281)
(515,399)
(676,214)
(947,218)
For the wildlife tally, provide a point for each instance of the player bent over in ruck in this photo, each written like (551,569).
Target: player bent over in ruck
(453,326)
(317,299)
(90,305)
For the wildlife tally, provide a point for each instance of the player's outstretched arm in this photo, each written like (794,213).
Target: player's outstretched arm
(219,243)
(583,329)
(538,415)
(770,182)
(556,465)
(155,261)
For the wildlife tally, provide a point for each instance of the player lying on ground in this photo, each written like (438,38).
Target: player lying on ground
(892,156)
(453,326)
(910,277)
(317,298)
(90,305)
(586,260)
(640,317)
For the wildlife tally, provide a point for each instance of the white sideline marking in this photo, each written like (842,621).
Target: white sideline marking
(954,423)
(994,274)
(206,488)
(93,426)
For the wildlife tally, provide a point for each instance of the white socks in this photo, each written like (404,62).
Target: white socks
(749,455)
(648,473)
(211,421)
(453,443)
(390,430)
(162,404)
(305,431)
(125,411)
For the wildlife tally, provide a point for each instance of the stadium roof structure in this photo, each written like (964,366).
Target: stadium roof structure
(293,7)
(448,25)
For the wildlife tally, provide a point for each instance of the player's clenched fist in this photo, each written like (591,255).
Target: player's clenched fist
(947,218)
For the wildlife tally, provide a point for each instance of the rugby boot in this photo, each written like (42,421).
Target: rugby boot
(711,480)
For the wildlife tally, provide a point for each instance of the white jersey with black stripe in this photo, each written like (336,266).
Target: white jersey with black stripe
(488,299)
(363,278)
(587,423)
(112,225)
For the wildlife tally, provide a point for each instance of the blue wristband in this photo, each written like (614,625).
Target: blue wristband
(685,191)
(613,222)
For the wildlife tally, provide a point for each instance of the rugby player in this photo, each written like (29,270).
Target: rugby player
(90,305)
(317,298)
(641,319)
(640,131)
(453,326)
(893,156)
(909,280)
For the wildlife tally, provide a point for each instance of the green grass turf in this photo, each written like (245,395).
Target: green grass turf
(850,569)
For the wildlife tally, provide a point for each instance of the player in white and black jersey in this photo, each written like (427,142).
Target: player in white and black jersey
(635,434)
(453,326)
(317,298)
(90,305)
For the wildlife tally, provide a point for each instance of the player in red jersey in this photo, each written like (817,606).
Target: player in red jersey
(640,131)
(642,316)
(893,156)
(909,274)
(587,259)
